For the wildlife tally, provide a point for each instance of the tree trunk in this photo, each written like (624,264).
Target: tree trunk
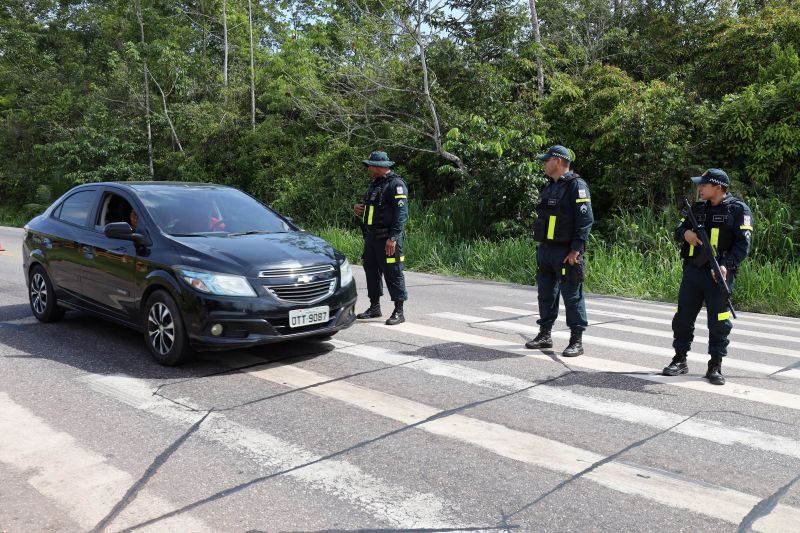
(166,114)
(538,39)
(437,133)
(252,68)
(138,8)
(225,48)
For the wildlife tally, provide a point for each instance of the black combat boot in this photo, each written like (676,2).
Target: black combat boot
(542,340)
(374,311)
(397,315)
(714,373)
(677,367)
(575,347)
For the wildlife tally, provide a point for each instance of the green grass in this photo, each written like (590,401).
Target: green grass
(12,217)
(618,269)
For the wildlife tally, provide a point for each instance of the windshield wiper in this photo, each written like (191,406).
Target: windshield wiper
(251,232)
(188,235)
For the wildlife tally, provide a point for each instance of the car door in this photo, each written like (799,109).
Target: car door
(67,251)
(108,279)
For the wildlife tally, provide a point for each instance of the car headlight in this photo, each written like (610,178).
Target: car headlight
(345,272)
(220,284)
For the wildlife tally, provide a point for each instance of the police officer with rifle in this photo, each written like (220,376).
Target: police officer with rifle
(715,236)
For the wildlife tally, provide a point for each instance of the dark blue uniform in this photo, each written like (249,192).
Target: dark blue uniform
(729,226)
(385,216)
(564,220)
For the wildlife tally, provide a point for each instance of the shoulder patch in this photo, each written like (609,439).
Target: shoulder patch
(747,221)
(399,189)
(581,193)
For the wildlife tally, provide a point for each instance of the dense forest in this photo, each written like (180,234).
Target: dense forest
(283,100)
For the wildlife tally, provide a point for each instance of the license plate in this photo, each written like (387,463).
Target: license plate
(307,317)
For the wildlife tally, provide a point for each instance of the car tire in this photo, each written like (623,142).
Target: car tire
(164,332)
(42,296)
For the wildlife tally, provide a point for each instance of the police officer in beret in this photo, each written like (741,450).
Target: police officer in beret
(383,213)
(563,221)
(729,226)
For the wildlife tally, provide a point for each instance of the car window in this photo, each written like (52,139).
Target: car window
(113,208)
(76,208)
(209,210)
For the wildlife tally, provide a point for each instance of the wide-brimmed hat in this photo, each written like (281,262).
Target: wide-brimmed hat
(715,176)
(378,159)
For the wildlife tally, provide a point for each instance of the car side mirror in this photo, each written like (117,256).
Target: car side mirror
(123,231)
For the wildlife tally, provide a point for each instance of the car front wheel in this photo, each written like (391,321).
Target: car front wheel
(164,332)
(43,297)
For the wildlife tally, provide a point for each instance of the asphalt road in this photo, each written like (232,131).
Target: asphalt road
(444,423)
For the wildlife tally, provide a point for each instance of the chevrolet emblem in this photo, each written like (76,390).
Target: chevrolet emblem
(305,278)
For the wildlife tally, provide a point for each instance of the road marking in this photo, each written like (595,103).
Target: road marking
(698,325)
(670,312)
(79,480)
(670,308)
(393,504)
(27,321)
(698,428)
(661,486)
(733,390)
(634,347)
(770,350)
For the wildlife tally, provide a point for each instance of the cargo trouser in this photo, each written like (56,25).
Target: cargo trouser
(377,266)
(697,286)
(554,277)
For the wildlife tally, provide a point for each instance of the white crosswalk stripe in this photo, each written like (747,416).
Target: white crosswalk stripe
(741,321)
(633,347)
(698,325)
(663,487)
(696,427)
(80,481)
(391,503)
(667,334)
(731,389)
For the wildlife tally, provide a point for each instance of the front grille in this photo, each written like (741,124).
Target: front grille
(306,293)
(299,271)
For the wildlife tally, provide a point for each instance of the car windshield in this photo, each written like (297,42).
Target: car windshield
(209,211)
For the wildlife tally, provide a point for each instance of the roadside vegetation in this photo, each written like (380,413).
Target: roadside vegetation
(284,99)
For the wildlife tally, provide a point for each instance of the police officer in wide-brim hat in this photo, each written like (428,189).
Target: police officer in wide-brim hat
(729,226)
(383,213)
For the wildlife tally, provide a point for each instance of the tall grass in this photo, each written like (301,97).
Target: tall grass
(632,255)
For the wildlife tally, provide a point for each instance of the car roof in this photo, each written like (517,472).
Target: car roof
(159,185)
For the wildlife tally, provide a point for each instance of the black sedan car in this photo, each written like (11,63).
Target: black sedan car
(192,266)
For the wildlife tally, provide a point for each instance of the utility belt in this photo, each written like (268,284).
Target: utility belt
(550,244)
(377,233)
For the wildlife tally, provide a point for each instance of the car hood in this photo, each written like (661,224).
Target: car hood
(248,254)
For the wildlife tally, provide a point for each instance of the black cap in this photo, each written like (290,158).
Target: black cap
(714,176)
(556,151)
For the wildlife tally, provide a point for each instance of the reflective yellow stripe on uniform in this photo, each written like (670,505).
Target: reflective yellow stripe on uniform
(746,227)
(390,260)
(400,196)
(581,200)
(551,228)
(369,218)
(691,250)
(714,239)
(724,316)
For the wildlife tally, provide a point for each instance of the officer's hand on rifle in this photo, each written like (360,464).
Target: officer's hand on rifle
(358,209)
(724,273)
(691,237)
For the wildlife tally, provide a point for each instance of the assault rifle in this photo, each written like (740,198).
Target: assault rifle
(708,251)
